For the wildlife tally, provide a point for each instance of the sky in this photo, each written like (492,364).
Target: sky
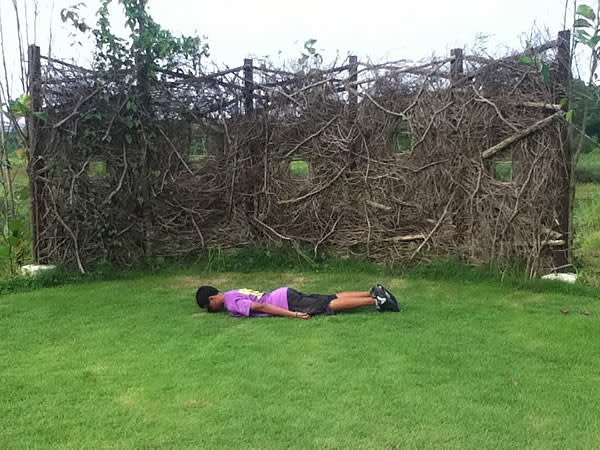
(376,30)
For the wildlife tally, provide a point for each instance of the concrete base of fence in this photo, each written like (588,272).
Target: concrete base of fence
(565,277)
(34,269)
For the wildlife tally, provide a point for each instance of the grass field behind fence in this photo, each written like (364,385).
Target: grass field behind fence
(135,364)
(586,221)
(588,167)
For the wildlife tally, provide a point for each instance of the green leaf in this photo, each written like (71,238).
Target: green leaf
(545,71)
(22,106)
(128,138)
(526,61)
(586,11)
(563,103)
(582,23)
(593,41)
(18,109)
(42,115)
(25,100)
(569,115)
(582,35)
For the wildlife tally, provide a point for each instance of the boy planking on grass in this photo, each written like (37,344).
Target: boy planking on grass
(288,302)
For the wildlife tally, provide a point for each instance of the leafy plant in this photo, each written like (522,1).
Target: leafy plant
(587,32)
(585,98)
(538,63)
(13,244)
(148,51)
(586,28)
(148,42)
(310,57)
(22,108)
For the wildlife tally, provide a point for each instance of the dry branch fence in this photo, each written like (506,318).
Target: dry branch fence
(398,161)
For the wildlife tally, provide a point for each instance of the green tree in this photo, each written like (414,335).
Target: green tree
(13,142)
(148,51)
(585,99)
(161,50)
(585,94)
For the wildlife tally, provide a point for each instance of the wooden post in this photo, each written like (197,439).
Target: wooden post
(353,108)
(462,226)
(248,86)
(352,80)
(564,61)
(35,164)
(142,61)
(562,256)
(456,66)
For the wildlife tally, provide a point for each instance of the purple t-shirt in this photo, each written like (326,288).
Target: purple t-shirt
(238,302)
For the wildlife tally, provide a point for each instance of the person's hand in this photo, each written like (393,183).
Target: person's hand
(301,315)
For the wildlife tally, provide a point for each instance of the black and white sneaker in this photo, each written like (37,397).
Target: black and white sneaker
(392,298)
(384,299)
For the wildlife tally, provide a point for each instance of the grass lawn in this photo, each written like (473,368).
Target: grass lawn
(588,167)
(135,364)
(586,220)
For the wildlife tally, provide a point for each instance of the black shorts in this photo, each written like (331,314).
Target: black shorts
(312,304)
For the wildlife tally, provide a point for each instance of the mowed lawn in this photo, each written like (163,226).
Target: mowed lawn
(135,364)
(587,232)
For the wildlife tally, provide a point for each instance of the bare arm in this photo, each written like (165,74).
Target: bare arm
(277,311)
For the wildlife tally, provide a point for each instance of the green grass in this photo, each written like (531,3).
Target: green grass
(586,218)
(21,233)
(503,171)
(588,167)
(299,169)
(586,222)
(135,364)
(402,141)
(97,170)
(19,174)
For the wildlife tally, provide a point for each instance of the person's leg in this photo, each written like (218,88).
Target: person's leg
(378,296)
(327,304)
(354,294)
(351,300)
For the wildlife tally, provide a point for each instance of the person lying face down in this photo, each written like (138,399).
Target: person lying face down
(288,302)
